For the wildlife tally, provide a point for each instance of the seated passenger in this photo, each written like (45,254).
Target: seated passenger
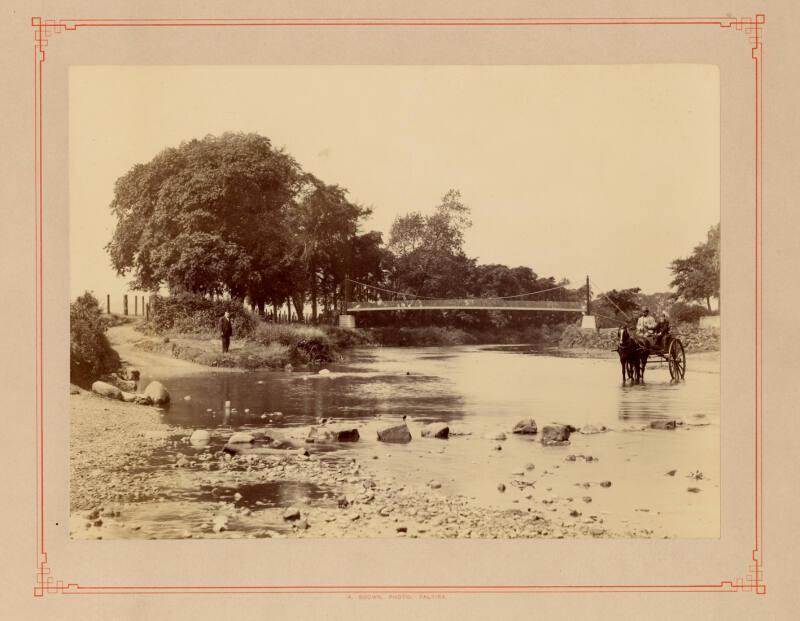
(645,327)
(662,330)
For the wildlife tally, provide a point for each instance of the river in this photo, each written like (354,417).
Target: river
(662,482)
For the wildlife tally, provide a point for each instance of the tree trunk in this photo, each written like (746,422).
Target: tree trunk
(298,299)
(708,303)
(314,292)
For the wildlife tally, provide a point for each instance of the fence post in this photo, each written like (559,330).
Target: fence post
(108,303)
(136,305)
(125,304)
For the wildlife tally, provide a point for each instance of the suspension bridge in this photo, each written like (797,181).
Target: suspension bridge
(362,298)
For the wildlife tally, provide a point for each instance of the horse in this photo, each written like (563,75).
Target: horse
(631,357)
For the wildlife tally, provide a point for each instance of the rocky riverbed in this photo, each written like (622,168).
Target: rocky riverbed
(133,476)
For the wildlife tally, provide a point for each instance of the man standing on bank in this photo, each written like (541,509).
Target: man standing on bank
(226,330)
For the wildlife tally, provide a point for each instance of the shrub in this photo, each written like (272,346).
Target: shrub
(188,313)
(90,353)
(306,344)
(681,312)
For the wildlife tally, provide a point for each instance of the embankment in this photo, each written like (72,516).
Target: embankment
(268,346)
(694,338)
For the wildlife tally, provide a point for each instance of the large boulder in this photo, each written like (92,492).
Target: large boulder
(592,429)
(128,397)
(157,392)
(241,437)
(291,514)
(436,430)
(105,389)
(397,434)
(555,434)
(200,437)
(332,433)
(526,426)
(662,424)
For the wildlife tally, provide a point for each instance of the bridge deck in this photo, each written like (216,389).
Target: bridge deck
(467,304)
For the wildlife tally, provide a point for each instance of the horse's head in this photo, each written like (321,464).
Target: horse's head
(623,338)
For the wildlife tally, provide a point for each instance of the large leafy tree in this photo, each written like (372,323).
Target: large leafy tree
(429,258)
(697,277)
(325,226)
(207,216)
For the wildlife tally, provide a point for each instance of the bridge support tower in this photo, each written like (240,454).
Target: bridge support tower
(347,321)
(588,321)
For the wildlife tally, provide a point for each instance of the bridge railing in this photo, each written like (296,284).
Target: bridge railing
(477,303)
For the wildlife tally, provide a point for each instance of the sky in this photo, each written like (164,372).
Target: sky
(605,170)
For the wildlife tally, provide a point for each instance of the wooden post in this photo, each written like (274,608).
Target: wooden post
(136,305)
(108,303)
(125,304)
(146,312)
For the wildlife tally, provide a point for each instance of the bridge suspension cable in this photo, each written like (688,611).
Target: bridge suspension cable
(612,302)
(419,297)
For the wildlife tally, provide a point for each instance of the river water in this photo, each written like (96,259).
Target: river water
(479,391)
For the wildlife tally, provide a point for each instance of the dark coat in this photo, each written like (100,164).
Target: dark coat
(225,327)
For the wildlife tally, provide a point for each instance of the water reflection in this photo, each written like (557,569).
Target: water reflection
(477,387)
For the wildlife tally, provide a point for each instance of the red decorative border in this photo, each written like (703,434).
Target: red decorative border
(46,28)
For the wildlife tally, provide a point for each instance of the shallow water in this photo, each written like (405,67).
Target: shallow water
(478,391)
(480,387)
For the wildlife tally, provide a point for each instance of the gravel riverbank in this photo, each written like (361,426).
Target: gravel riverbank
(132,476)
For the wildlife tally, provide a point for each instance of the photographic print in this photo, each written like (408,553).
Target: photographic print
(473,302)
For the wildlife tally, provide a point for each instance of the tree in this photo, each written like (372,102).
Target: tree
(616,307)
(429,259)
(697,277)
(204,217)
(324,225)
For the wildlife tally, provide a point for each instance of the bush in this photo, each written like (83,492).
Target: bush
(188,313)
(681,312)
(90,353)
(307,344)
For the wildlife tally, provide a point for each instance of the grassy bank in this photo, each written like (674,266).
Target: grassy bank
(268,346)
(185,326)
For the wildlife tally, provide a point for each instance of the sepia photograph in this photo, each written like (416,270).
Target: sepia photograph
(394,301)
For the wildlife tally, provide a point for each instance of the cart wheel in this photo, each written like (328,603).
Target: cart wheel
(677,360)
